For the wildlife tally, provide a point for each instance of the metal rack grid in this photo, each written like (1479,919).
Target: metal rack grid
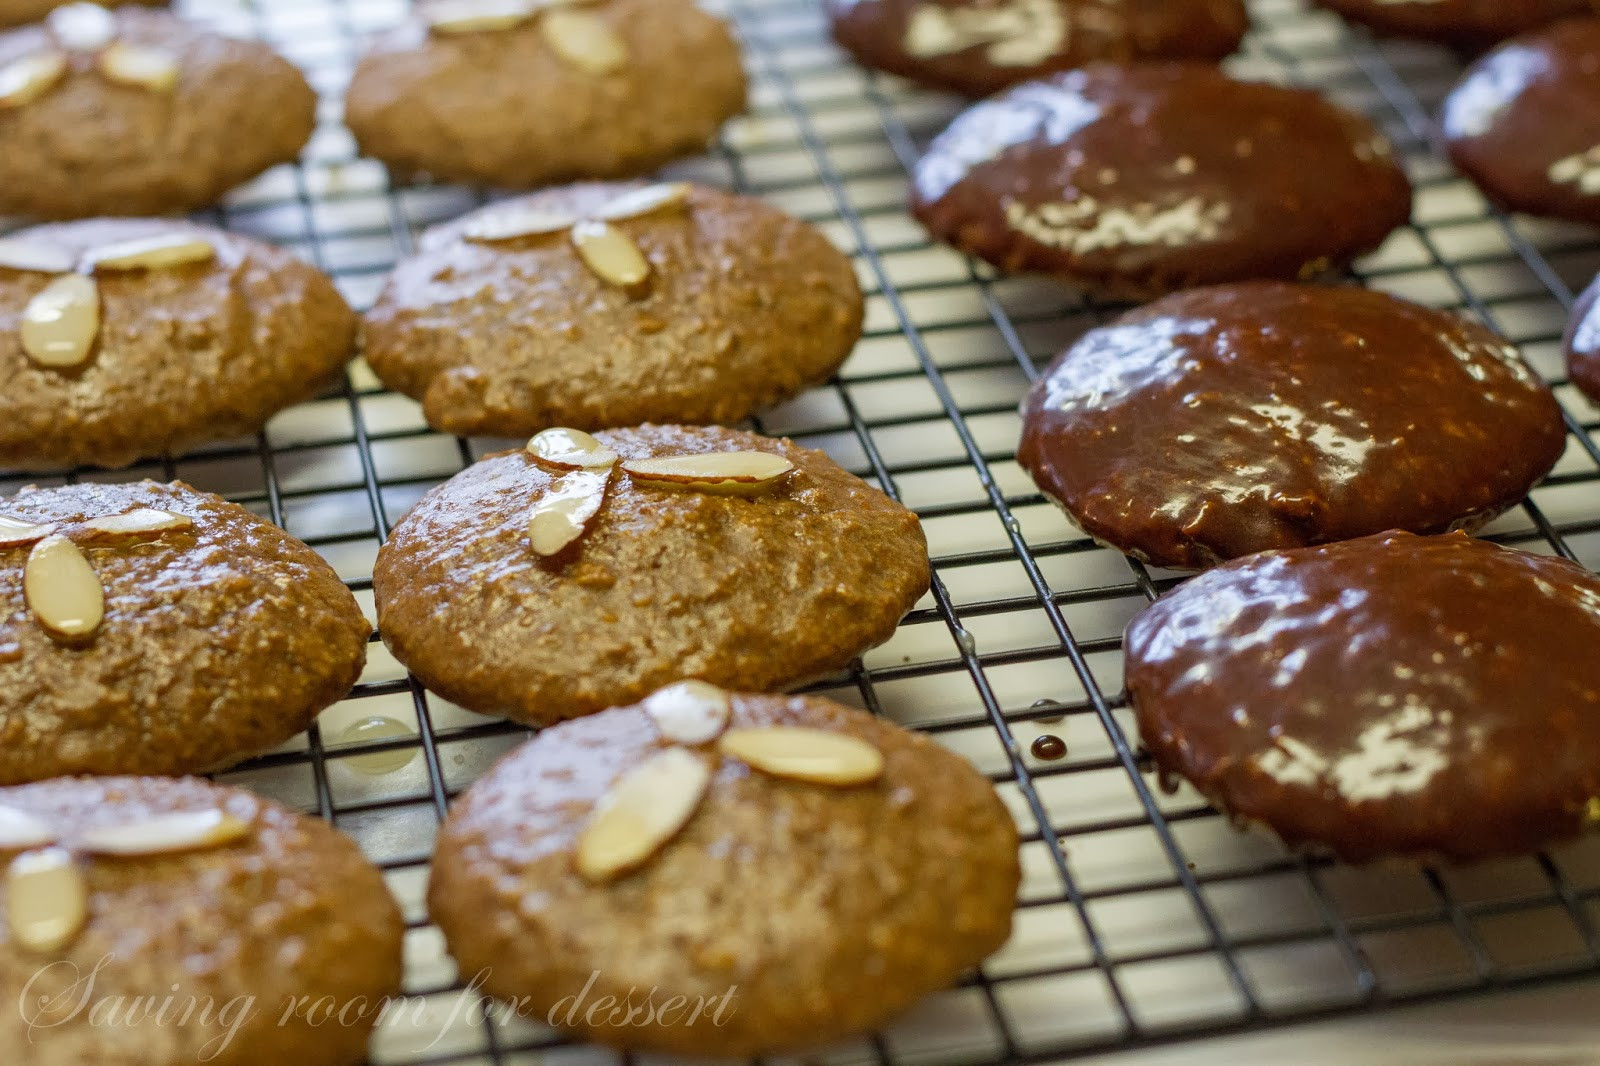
(1143,917)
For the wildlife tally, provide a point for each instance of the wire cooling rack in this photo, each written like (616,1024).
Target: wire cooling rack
(1143,918)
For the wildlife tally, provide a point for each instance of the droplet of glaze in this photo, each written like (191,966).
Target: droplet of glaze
(1052,719)
(1049,747)
(373,728)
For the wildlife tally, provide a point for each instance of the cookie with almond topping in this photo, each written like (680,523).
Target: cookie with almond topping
(584,572)
(225,915)
(140,112)
(21,12)
(524,93)
(145,628)
(756,869)
(136,112)
(126,338)
(602,305)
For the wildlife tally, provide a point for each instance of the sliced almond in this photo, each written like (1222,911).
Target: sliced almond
(139,66)
(166,834)
(60,324)
(15,532)
(83,27)
(512,223)
(24,80)
(722,473)
(152,253)
(583,40)
(611,254)
(812,755)
(689,712)
(18,254)
(19,829)
(62,589)
(145,520)
(477,16)
(645,201)
(643,810)
(563,513)
(571,449)
(47,901)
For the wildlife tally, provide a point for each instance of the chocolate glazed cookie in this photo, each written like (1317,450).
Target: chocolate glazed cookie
(1134,181)
(978,47)
(747,874)
(1524,123)
(1463,23)
(1223,421)
(139,113)
(584,572)
(1582,343)
(1415,697)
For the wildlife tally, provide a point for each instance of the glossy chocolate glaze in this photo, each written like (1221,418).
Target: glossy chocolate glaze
(1462,23)
(1390,696)
(1582,342)
(1233,419)
(1140,180)
(1524,122)
(978,47)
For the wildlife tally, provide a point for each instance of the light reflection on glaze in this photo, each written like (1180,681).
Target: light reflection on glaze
(1034,111)
(1222,421)
(1491,87)
(1086,225)
(1427,694)
(1017,34)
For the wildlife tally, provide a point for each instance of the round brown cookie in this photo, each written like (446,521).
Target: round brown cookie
(157,922)
(741,307)
(209,338)
(1223,421)
(978,47)
(1134,181)
(1524,123)
(184,637)
(1464,23)
(660,574)
(597,90)
(139,113)
(753,874)
(19,12)
(1390,696)
(1582,343)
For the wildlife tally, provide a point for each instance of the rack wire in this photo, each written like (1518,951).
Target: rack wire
(1144,918)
